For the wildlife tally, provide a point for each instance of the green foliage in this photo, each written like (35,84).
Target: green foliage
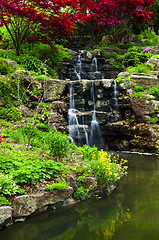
(59,186)
(138,94)
(4,201)
(149,98)
(5,68)
(117,62)
(150,37)
(155,109)
(154,91)
(81,193)
(8,185)
(138,89)
(58,139)
(10,113)
(80,179)
(28,168)
(121,79)
(135,56)
(140,68)
(31,63)
(153,120)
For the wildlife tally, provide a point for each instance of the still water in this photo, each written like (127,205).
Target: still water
(131,212)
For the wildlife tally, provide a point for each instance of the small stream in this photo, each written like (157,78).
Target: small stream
(131,212)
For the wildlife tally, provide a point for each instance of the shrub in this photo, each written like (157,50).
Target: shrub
(135,56)
(59,144)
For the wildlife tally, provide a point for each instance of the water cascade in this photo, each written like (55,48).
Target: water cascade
(93,101)
(116,105)
(95,135)
(78,67)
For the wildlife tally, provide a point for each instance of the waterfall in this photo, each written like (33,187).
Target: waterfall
(78,67)
(95,135)
(94,64)
(72,116)
(75,129)
(116,105)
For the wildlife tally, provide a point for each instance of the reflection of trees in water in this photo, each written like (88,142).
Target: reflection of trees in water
(99,226)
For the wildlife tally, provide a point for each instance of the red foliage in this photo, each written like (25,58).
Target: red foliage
(56,18)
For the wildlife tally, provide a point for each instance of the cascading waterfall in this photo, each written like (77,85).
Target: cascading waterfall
(78,67)
(73,120)
(76,129)
(95,135)
(94,65)
(79,131)
(116,105)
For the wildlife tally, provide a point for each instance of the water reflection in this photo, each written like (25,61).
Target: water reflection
(130,212)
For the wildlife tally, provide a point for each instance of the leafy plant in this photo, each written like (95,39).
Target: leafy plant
(58,139)
(140,68)
(59,186)
(153,120)
(138,94)
(138,89)
(81,193)
(154,91)
(4,201)
(135,56)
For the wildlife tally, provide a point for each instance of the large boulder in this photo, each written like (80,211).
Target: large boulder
(5,216)
(24,77)
(120,128)
(146,136)
(154,61)
(28,204)
(145,80)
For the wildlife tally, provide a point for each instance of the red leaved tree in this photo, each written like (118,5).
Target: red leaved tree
(51,18)
(116,14)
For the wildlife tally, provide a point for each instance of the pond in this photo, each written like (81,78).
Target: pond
(130,212)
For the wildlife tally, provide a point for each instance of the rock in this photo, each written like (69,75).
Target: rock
(26,112)
(107,83)
(123,74)
(72,53)
(56,120)
(120,128)
(155,62)
(145,136)
(141,107)
(2,101)
(155,50)
(72,183)
(90,183)
(12,64)
(89,55)
(28,204)
(54,89)
(60,107)
(144,80)
(24,76)
(105,40)
(5,216)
